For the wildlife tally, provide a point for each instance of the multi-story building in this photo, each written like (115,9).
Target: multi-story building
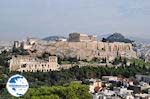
(145,78)
(33,64)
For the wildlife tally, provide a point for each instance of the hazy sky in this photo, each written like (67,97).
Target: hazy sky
(41,18)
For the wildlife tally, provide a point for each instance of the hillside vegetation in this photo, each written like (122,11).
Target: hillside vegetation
(117,37)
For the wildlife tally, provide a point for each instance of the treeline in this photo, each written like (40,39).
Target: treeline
(81,74)
(72,90)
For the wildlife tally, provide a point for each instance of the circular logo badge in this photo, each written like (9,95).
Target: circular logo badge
(17,85)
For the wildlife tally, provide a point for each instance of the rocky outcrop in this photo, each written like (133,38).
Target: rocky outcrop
(87,50)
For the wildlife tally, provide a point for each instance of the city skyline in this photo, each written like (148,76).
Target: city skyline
(41,18)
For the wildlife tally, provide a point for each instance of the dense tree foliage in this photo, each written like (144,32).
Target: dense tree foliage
(19,51)
(68,91)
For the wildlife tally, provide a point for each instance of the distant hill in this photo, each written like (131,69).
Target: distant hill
(101,36)
(54,38)
(117,37)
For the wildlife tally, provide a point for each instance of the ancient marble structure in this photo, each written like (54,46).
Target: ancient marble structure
(33,64)
(79,37)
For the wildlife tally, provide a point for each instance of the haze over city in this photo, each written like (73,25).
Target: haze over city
(40,18)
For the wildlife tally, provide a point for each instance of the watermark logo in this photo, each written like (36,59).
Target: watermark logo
(17,85)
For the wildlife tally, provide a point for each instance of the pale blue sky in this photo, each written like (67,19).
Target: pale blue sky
(41,18)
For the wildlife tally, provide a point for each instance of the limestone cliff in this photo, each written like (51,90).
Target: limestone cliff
(86,50)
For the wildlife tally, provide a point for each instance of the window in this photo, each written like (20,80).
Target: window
(103,49)
(23,65)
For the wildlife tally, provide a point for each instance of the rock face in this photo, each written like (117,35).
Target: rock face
(87,50)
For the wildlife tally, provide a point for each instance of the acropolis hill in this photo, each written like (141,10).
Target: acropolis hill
(80,46)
